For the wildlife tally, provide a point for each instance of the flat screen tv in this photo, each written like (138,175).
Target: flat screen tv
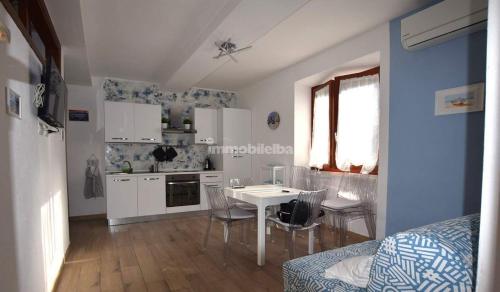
(53,110)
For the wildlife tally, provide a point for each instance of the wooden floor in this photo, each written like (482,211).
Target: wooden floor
(167,255)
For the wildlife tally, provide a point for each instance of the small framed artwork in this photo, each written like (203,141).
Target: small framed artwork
(462,99)
(78,115)
(273,120)
(13,102)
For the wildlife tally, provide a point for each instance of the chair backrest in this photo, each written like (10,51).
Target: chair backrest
(218,200)
(245,181)
(300,178)
(307,208)
(359,187)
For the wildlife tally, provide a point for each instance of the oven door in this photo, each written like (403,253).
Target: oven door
(183,193)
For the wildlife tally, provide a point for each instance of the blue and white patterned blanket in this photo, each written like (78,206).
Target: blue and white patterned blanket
(436,257)
(308,273)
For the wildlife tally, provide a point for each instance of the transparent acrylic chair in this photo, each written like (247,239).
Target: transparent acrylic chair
(300,178)
(354,198)
(246,182)
(308,207)
(221,210)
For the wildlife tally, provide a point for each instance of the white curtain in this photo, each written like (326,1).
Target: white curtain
(320,148)
(358,124)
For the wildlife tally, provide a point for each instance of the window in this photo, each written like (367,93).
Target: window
(345,123)
(33,20)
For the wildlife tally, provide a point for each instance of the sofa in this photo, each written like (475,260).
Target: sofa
(437,257)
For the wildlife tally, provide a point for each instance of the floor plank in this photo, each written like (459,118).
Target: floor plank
(168,255)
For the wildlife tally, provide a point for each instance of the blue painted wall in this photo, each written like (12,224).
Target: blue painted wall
(435,162)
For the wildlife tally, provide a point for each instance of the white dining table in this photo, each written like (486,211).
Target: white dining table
(263,196)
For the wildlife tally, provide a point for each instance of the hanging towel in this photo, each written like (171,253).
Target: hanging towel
(93,182)
(170,154)
(160,154)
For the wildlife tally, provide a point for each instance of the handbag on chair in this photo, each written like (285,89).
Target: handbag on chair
(301,214)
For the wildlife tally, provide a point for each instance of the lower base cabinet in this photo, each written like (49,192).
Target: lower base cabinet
(144,195)
(151,195)
(212,179)
(121,192)
(132,196)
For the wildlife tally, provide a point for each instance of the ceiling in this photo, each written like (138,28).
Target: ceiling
(363,63)
(172,41)
(317,26)
(67,19)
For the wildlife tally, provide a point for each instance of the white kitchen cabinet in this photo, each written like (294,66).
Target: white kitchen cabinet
(119,121)
(147,123)
(151,195)
(132,122)
(121,192)
(237,165)
(205,123)
(235,129)
(209,179)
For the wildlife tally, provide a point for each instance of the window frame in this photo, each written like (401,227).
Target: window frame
(334,90)
(33,14)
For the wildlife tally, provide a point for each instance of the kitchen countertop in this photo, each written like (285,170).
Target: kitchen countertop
(163,172)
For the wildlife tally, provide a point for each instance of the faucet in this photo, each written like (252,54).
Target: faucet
(130,169)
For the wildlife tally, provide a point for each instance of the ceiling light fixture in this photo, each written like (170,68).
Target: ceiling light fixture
(4,34)
(228,48)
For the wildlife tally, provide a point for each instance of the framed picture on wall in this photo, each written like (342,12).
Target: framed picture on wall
(462,99)
(13,102)
(78,115)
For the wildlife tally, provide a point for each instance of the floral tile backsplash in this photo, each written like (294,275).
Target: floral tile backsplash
(175,105)
(139,155)
(131,91)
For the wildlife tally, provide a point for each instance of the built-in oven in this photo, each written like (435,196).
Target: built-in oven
(182,190)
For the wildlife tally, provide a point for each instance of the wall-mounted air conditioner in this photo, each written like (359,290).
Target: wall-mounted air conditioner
(442,22)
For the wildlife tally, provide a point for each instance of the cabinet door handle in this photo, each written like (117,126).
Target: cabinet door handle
(212,185)
(148,139)
(151,178)
(121,179)
(211,176)
(119,138)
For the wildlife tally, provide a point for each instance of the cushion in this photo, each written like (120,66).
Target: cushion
(353,270)
(236,214)
(340,203)
(436,257)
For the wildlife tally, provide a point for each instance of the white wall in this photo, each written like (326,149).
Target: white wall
(277,92)
(33,196)
(302,129)
(84,139)
(262,101)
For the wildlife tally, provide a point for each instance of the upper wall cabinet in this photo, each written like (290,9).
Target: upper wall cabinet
(147,121)
(205,123)
(132,122)
(119,121)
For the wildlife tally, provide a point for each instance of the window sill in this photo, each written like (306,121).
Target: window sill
(354,169)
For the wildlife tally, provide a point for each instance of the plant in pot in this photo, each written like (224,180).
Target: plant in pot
(164,123)
(187,124)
